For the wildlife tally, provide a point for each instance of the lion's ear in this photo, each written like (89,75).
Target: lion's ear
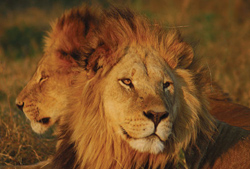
(186,56)
(97,60)
(180,55)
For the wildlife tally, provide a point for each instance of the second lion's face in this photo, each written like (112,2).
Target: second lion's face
(44,99)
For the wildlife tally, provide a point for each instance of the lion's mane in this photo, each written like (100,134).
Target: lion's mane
(72,35)
(88,141)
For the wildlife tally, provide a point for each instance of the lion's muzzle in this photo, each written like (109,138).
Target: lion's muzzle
(156,117)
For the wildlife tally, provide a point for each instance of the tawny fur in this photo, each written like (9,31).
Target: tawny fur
(65,47)
(68,41)
(58,69)
(112,151)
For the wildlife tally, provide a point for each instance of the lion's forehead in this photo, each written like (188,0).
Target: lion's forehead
(145,53)
(143,62)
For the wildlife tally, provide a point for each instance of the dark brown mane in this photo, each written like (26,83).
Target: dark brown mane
(73,35)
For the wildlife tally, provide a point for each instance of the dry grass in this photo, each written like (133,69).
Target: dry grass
(19,145)
(221,30)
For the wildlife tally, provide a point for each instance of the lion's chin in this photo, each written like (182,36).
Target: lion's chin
(38,127)
(150,145)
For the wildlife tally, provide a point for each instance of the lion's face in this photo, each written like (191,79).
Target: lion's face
(46,96)
(43,98)
(139,100)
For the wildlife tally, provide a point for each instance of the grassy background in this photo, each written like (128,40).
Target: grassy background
(221,30)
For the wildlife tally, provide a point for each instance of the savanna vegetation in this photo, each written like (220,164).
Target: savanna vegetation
(219,31)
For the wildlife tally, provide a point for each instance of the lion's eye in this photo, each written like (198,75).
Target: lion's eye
(127,82)
(166,85)
(43,78)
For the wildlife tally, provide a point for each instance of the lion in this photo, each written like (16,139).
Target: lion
(58,69)
(229,112)
(71,71)
(143,105)
(43,99)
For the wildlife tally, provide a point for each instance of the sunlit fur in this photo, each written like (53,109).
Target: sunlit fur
(44,96)
(64,46)
(91,137)
(71,43)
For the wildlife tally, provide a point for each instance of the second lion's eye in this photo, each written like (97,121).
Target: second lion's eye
(43,77)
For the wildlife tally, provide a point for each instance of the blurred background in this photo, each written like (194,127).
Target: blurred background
(220,31)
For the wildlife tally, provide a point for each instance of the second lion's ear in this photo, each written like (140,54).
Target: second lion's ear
(73,36)
(97,60)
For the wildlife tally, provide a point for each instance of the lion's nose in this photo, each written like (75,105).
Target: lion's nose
(20,105)
(156,117)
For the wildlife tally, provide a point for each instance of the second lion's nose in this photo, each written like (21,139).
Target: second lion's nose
(156,117)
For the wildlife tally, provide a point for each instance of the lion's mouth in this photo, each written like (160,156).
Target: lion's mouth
(45,120)
(125,133)
(151,136)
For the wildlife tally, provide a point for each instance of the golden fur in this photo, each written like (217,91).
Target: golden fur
(80,49)
(65,46)
(48,80)
(43,99)
(90,129)
(106,126)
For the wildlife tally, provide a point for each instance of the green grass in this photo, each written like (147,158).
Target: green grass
(27,39)
(220,30)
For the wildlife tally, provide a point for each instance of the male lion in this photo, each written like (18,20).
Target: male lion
(43,99)
(143,104)
(70,55)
